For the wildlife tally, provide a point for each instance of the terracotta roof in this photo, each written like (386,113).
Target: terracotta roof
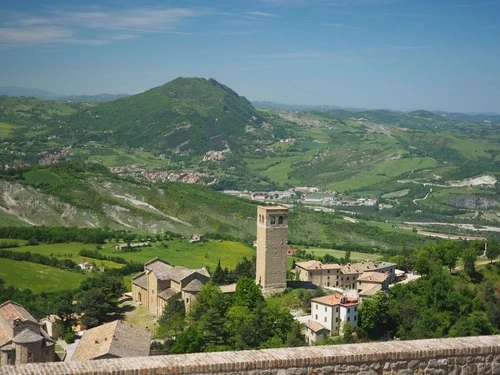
(335,299)
(315,326)
(9,312)
(115,339)
(373,277)
(316,264)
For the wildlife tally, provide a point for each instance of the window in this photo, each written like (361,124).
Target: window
(316,306)
(355,316)
(348,310)
(316,316)
(325,319)
(337,309)
(355,308)
(328,271)
(280,220)
(337,319)
(273,219)
(348,318)
(325,308)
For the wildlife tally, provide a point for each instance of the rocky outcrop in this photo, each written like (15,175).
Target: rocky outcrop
(473,203)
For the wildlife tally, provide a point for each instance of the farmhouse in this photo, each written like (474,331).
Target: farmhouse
(329,314)
(160,281)
(342,276)
(113,340)
(22,340)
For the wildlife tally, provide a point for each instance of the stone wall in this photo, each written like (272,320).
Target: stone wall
(459,356)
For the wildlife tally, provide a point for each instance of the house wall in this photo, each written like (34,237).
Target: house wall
(348,314)
(460,356)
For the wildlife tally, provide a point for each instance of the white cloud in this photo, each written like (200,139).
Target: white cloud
(106,26)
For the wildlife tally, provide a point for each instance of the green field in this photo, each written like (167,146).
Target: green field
(191,255)
(37,277)
(6,129)
(178,253)
(64,251)
(41,176)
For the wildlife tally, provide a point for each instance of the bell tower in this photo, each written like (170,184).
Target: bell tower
(272,244)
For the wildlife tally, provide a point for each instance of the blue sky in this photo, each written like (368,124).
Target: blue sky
(397,54)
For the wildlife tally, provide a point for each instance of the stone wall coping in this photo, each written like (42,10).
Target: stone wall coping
(250,360)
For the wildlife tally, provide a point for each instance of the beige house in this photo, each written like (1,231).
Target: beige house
(329,314)
(160,281)
(341,276)
(22,340)
(313,271)
(113,340)
(369,283)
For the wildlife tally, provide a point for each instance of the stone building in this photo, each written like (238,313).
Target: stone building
(342,276)
(22,340)
(160,281)
(113,340)
(329,314)
(272,239)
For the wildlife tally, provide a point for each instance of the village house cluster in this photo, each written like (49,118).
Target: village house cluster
(140,174)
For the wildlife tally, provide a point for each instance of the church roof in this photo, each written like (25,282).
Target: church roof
(140,280)
(10,312)
(165,271)
(26,337)
(194,286)
(115,339)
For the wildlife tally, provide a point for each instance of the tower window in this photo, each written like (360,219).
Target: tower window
(273,219)
(280,220)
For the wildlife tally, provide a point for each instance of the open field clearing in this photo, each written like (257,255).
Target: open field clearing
(191,255)
(37,277)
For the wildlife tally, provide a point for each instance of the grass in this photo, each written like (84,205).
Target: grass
(177,252)
(42,176)
(6,129)
(191,255)
(65,251)
(37,277)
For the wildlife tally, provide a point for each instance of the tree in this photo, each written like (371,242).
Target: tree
(98,297)
(469,256)
(375,320)
(492,250)
(247,293)
(172,320)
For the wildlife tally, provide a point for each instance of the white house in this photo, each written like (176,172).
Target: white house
(328,315)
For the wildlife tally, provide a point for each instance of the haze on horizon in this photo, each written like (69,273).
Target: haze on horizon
(397,54)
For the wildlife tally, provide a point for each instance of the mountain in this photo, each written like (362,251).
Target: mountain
(47,95)
(185,117)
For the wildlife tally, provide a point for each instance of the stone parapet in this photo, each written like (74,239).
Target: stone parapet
(468,355)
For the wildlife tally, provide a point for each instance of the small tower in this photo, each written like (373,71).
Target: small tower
(272,240)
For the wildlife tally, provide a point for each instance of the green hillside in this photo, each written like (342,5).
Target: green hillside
(198,126)
(187,116)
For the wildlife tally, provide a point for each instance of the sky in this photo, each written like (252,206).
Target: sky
(394,54)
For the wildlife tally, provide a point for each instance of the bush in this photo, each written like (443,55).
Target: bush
(69,337)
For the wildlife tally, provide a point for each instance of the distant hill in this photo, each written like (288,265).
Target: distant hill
(185,117)
(47,95)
